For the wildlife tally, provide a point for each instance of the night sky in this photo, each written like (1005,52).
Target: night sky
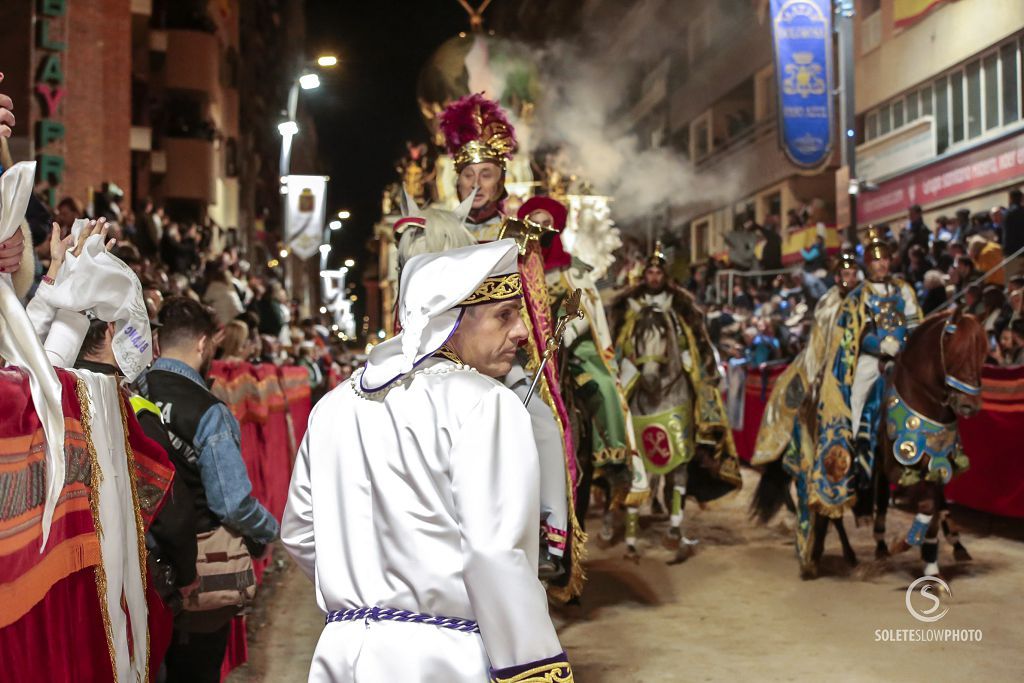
(366,108)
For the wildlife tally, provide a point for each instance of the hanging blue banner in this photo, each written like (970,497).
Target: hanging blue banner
(802,34)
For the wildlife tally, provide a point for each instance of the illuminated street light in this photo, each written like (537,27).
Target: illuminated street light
(323,309)
(334,225)
(349,263)
(309,81)
(327,61)
(284,253)
(325,249)
(343,215)
(288,128)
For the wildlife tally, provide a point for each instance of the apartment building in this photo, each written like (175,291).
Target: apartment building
(939,97)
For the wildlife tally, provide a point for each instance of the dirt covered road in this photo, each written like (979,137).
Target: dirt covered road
(738,611)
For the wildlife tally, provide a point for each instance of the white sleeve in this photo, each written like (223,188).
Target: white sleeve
(64,340)
(40,313)
(496,489)
(297,522)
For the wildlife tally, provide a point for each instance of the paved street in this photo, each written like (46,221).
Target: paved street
(735,611)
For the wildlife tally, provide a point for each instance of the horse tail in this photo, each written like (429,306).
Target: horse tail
(772,493)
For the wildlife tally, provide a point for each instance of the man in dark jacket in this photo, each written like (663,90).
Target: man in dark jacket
(207,435)
(1013,233)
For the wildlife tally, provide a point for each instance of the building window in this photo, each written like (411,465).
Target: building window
(926,101)
(942,114)
(974,99)
(701,234)
(700,136)
(765,94)
(912,107)
(872,126)
(1011,83)
(981,96)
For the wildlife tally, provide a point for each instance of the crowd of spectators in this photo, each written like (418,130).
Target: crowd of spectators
(973,259)
(202,261)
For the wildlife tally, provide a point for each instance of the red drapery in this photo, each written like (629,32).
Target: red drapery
(272,405)
(755,396)
(992,440)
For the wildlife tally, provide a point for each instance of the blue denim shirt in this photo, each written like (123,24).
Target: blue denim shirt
(225,479)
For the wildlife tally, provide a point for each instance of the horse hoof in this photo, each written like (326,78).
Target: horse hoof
(931,569)
(960,553)
(881,550)
(851,559)
(809,573)
(683,553)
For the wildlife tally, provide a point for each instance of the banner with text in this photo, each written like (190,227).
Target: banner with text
(802,35)
(306,213)
(954,177)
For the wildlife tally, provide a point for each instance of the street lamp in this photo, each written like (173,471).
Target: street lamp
(334,225)
(327,61)
(349,263)
(344,215)
(309,81)
(288,128)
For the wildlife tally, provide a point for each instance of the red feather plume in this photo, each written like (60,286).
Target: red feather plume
(473,117)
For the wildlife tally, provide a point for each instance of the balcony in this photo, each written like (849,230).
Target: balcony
(190,164)
(192,60)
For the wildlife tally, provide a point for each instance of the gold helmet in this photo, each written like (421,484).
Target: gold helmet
(875,244)
(847,260)
(657,258)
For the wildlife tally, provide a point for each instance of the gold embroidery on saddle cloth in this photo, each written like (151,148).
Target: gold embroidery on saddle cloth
(559,672)
(498,288)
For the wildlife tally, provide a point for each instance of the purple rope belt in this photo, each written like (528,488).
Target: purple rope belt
(388,614)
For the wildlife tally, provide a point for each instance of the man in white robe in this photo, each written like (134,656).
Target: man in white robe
(414,502)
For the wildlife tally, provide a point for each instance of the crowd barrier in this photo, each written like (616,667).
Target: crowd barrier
(272,406)
(995,481)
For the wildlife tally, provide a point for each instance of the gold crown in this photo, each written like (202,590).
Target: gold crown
(497,149)
(497,288)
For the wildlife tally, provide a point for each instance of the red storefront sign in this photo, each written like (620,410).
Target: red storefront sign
(988,166)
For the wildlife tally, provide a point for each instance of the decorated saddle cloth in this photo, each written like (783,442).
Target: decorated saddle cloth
(668,438)
(925,448)
(832,486)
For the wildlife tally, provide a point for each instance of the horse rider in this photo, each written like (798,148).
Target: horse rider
(671,435)
(785,432)
(593,374)
(481,142)
(872,326)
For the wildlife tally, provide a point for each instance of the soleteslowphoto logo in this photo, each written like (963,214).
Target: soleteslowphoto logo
(927,599)
(934,591)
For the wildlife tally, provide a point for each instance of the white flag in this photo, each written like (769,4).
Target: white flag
(307,211)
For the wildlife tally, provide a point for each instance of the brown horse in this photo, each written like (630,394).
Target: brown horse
(937,379)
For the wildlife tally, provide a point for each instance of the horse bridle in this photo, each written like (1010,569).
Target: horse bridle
(952,382)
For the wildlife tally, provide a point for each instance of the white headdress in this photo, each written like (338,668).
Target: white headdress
(434,288)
